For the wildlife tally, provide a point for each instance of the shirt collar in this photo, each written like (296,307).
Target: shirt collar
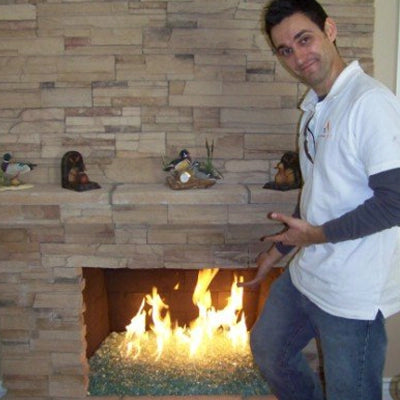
(311,98)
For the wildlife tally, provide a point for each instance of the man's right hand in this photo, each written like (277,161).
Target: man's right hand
(265,261)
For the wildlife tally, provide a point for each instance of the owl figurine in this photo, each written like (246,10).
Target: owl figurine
(288,175)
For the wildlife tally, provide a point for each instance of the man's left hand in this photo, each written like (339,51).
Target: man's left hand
(297,233)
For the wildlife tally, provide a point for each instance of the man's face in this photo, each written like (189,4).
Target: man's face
(307,52)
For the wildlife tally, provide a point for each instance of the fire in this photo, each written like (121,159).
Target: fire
(228,323)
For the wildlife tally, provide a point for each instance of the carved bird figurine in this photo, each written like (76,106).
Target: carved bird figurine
(288,174)
(288,170)
(199,171)
(181,163)
(13,169)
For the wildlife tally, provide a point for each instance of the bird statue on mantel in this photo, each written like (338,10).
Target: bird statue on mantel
(181,163)
(13,169)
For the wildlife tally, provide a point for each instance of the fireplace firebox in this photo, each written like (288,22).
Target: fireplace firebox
(112,301)
(113,296)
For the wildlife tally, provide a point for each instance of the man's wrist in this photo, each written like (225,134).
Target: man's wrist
(318,235)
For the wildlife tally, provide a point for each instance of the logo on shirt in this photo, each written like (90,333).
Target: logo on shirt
(326,131)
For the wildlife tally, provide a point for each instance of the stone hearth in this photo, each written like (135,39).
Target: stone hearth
(48,234)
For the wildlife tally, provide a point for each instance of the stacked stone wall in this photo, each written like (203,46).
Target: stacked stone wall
(124,82)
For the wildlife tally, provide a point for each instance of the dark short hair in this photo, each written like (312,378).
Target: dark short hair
(276,10)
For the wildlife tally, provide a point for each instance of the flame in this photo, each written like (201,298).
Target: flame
(229,322)
(135,333)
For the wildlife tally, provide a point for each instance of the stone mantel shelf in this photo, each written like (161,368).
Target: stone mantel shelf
(148,194)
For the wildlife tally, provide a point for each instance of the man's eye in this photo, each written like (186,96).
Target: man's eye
(305,40)
(285,51)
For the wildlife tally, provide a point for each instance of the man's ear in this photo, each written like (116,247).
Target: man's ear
(330,29)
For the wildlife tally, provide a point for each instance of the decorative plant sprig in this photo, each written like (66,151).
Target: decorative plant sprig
(208,166)
(165,162)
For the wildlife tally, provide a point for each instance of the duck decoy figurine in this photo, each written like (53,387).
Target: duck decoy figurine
(181,163)
(185,173)
(13,169)
(199,171)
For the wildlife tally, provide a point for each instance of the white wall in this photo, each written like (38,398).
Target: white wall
(386,66)
(385,41)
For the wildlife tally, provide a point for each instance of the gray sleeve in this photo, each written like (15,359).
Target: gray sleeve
(381,211)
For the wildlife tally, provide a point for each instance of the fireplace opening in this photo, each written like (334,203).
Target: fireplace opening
(112,297)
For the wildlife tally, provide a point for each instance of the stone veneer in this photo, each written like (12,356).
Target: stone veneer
(48,234)
(125,81)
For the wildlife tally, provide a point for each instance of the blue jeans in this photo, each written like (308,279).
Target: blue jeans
(353,351)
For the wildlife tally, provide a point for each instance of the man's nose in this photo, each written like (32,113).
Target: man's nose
(299,55)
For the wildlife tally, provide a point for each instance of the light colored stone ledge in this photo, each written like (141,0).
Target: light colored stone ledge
(147,194)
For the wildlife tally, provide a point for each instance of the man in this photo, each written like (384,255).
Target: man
(345,278)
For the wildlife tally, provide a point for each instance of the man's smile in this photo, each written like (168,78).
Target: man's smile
(308,66)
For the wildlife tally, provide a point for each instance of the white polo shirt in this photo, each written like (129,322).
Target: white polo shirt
(357,134)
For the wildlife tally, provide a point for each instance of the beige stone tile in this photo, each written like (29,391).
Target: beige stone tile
(34,47)
(141,214)
(67,386)
(161,194)
(50,194)
(21,99)
(16,12)
(186,255)
(58,300)
(21,321)
(25,387)
(23,365)
(224,101)
(210,38)
(195,214)
(252,213)
(66,97)
(270,143)
(160,234)
(126,233)
(271,119)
